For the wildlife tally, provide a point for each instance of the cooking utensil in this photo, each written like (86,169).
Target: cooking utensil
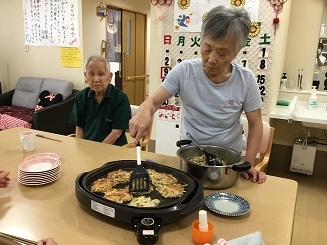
(143,219)
(168,210)
(212,177)
(190,184)
(17,240)
(211,159)
(140,180)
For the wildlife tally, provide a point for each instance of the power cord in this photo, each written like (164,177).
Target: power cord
(317,141)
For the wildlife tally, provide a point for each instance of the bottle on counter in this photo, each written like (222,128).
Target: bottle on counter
(313,100)
(283,81)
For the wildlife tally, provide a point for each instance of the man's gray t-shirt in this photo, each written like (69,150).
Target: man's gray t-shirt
(211,112)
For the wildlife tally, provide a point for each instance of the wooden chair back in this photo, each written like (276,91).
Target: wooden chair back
(266,144)
(145,139)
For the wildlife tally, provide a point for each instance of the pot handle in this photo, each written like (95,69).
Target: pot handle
(241,167)
(180,143)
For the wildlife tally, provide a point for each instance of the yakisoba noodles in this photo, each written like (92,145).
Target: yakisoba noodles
(143,201)
(201,160)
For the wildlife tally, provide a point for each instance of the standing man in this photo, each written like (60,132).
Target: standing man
(214,91)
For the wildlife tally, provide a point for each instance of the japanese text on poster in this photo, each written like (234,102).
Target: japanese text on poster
(70,57)
(51,23)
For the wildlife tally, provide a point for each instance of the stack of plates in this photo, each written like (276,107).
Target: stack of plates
(39,169)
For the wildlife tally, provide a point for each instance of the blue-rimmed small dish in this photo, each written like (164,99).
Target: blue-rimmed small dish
(227,204)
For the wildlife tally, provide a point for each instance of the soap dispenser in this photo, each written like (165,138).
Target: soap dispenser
(313,101)
(283,81)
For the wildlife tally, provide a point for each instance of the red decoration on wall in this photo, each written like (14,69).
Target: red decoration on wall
(161,2)
(278,6)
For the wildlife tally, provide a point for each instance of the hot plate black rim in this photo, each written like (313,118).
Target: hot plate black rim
(182,177)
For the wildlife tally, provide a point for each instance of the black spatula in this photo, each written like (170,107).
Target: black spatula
(139,182)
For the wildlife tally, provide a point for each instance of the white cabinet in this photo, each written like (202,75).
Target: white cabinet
(168,129)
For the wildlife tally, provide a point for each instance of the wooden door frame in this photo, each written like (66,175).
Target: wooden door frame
(140,53)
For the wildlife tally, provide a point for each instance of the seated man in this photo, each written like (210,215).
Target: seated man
(101,111)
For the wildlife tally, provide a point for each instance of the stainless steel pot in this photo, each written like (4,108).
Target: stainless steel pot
(212,177)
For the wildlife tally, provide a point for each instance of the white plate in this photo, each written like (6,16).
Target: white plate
(36,182)
(39,164)
(43,173)
(42,155)
(39,177)
(227,204)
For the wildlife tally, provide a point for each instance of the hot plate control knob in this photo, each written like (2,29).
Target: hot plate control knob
(147,231)
(147,223)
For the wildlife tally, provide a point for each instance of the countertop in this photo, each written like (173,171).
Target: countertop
(302,113)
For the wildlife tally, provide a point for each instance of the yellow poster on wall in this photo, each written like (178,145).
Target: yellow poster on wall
(70,57)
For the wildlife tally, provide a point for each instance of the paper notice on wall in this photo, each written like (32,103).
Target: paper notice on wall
(70,57)
(51,23)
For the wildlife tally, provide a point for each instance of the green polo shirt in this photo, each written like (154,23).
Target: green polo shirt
(98,120)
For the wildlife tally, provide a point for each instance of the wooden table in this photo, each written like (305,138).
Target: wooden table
(36,212)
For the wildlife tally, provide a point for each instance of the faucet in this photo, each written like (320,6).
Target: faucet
(292,109)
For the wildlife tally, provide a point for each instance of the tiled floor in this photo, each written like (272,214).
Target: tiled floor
(310,221)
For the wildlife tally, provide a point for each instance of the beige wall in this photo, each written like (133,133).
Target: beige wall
(324,16)
(38,61)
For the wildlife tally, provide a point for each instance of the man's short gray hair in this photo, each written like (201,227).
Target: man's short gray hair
(222,22)
(98,58)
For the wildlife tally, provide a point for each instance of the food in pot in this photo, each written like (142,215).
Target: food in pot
(143,201)
(201,160)
(118,195)
(169,191)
